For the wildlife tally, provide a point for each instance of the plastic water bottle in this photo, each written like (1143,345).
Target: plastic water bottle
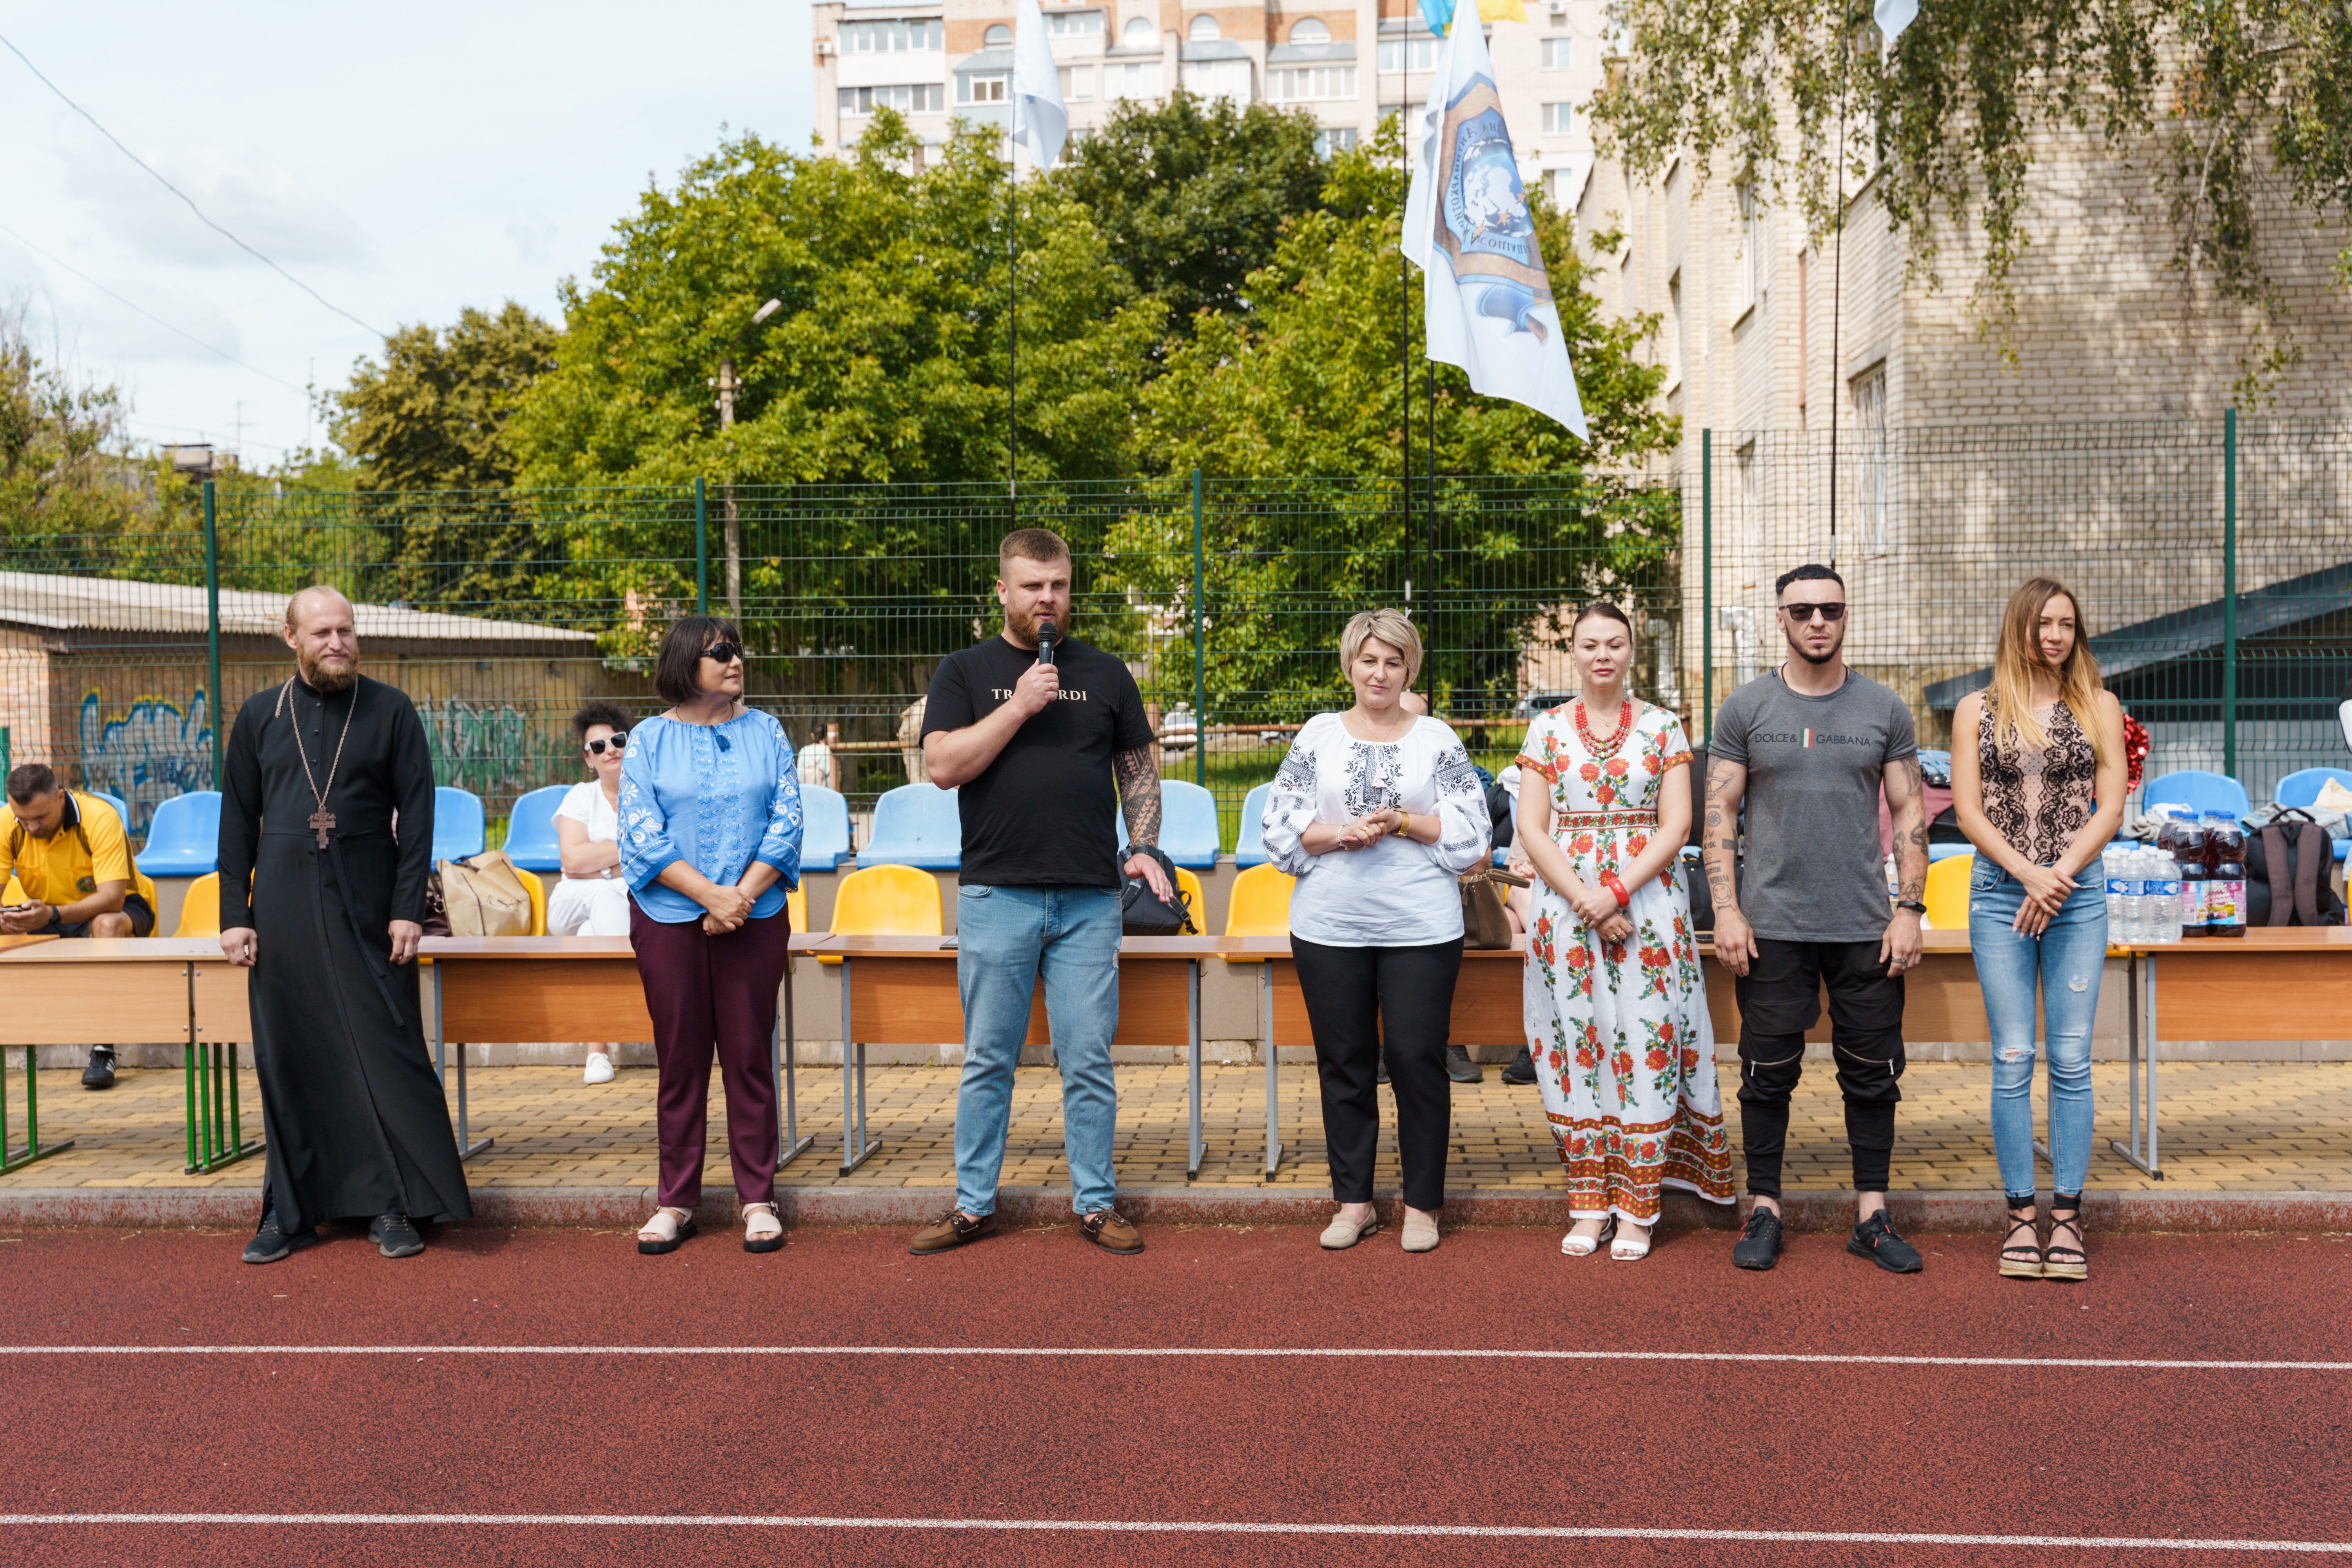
(2135,881)
(2111,866)
(2163,900)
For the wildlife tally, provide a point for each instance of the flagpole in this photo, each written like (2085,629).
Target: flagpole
(1012,328)
(1837,283)
(1404,328)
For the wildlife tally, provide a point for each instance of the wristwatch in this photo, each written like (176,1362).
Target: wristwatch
(606,873)
(1913,905)
(1403,829)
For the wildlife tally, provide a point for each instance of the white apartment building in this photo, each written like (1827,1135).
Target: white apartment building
(1348,62)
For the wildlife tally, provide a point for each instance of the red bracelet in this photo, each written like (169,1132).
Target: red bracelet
(1616,890)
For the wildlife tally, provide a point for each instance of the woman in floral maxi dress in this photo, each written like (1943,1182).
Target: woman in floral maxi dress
(1616,1003)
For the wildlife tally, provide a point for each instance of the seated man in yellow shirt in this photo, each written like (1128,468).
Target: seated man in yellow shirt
(67,852)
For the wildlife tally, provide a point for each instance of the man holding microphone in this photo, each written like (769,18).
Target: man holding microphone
(1024,727)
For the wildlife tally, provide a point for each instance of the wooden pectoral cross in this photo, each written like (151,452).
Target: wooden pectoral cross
(321,820)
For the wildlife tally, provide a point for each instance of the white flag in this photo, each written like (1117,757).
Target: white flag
(1039,120)
(1893,16)
(1486,297)
(1421,141)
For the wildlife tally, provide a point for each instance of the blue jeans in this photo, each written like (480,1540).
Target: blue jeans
(1005,937)
(2067,958)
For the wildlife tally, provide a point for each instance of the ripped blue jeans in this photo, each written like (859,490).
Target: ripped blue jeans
(2066,959)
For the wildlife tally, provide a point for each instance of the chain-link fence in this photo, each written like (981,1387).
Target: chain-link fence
(2213,559)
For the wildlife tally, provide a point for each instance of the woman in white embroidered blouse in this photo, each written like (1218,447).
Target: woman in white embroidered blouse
(1377,812)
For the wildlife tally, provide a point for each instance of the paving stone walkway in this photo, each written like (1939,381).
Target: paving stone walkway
(2248,1126)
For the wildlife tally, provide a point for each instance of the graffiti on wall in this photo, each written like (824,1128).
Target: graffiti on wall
(483,748)
(146,752)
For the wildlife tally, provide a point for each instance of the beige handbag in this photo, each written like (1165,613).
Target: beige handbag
(483,896)
(1485,922)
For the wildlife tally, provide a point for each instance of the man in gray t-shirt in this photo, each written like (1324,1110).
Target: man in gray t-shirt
(1808,747)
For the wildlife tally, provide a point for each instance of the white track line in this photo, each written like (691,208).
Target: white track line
(2101,1363)
(1189,1527)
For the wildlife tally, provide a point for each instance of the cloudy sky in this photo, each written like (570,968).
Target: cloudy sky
(404,162)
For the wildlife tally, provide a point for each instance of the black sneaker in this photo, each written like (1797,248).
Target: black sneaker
(99,1073)
(1522,1069)
(1874,1238)
(1461,1069)
(270,1244)
(1759,1246)
(395,1235)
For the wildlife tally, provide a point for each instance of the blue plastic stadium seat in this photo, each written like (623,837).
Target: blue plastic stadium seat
(121,807)
(1249,849)
(916,824)
(2301,789)
(824,828)
(531,841)
(183,836)
(1188,825)
(458,825)
(2198,790)
(1941,852)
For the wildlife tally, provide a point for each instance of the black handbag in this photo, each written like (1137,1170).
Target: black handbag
(1143,912)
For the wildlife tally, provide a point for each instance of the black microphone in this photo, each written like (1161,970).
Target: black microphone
(1045,635)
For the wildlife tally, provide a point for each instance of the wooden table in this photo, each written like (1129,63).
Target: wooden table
(105,990)
(577,990)
(904,989)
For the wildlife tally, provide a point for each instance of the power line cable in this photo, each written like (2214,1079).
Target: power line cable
(148,314)
(183,196)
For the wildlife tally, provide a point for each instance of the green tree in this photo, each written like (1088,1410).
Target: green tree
(433,416)
(1191,194)
(2226,103)
(67,488)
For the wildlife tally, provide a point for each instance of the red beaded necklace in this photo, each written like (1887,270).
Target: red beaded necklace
(1600,751)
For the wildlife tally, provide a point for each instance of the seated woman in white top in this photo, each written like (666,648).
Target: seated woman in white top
(592,900)
(1377,812)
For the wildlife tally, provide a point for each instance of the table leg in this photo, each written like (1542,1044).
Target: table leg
(2140,1010)
(790,1144)
(1273,1069)
(16,1159)
(856,1147)
(466,1145)
(1194,1150)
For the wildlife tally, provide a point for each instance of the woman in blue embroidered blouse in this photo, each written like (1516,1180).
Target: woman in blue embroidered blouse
(710,843)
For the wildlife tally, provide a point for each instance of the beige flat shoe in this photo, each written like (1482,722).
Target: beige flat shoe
(1420,1232)
(1343,1232)
(667,1231)
(1632,1246)
(1575,1245)
(762,1230)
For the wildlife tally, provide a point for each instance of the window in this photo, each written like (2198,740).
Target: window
(1309,31)
(1872,464)
(1409,55)
(893,37)
(1555,54)
(1751,246)
(1078,83)
(1333,140)
(1559,119)
(1073,24)
(1203,30)
(1679,342)
(1000,36)
(1136,80)
(1307,83)
(980,86)
(919,98)
(1750,540)
(1140,34)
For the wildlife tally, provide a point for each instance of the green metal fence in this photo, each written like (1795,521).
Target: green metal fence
(2213,559)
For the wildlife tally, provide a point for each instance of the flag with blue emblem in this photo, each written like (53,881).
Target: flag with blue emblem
(1040,122)
(1486,298)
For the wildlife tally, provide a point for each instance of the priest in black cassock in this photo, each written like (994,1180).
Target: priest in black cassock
(328,802)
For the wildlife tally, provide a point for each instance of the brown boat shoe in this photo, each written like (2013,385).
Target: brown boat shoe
(1109,1229)
(950,1231)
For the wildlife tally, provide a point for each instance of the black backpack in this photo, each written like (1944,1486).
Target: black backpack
(1143,913)
(2287,881)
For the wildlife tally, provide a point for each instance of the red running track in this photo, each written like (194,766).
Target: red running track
(2030,1459)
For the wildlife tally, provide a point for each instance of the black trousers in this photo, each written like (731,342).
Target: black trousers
(1780,999)
(1354,996)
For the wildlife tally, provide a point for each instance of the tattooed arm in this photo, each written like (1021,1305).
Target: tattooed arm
(1907,803)
(1726,785)
(1137,773)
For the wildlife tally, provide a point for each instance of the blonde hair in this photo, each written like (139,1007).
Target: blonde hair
(1390,627)
(2019,655)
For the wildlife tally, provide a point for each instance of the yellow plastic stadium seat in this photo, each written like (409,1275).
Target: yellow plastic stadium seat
(200,910)
(1948,893)
(796,907)
(1188,884)
(1261,905)
(538,892)
(888,900)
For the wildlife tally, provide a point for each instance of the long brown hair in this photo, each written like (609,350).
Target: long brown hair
(2019,655)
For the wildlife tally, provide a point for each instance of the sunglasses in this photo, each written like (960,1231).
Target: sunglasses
(722,653)
(1801,614)
(596,747)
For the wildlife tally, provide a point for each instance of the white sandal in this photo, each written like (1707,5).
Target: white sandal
(667,1231)
(1575,1245)
(763,1230)
(1632,1248)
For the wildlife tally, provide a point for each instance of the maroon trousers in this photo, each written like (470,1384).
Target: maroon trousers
(707,991)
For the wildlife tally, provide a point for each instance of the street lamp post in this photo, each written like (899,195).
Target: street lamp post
(727,386)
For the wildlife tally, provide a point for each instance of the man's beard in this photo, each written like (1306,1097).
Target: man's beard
(325,681)
(1023,626)
(1802,651)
